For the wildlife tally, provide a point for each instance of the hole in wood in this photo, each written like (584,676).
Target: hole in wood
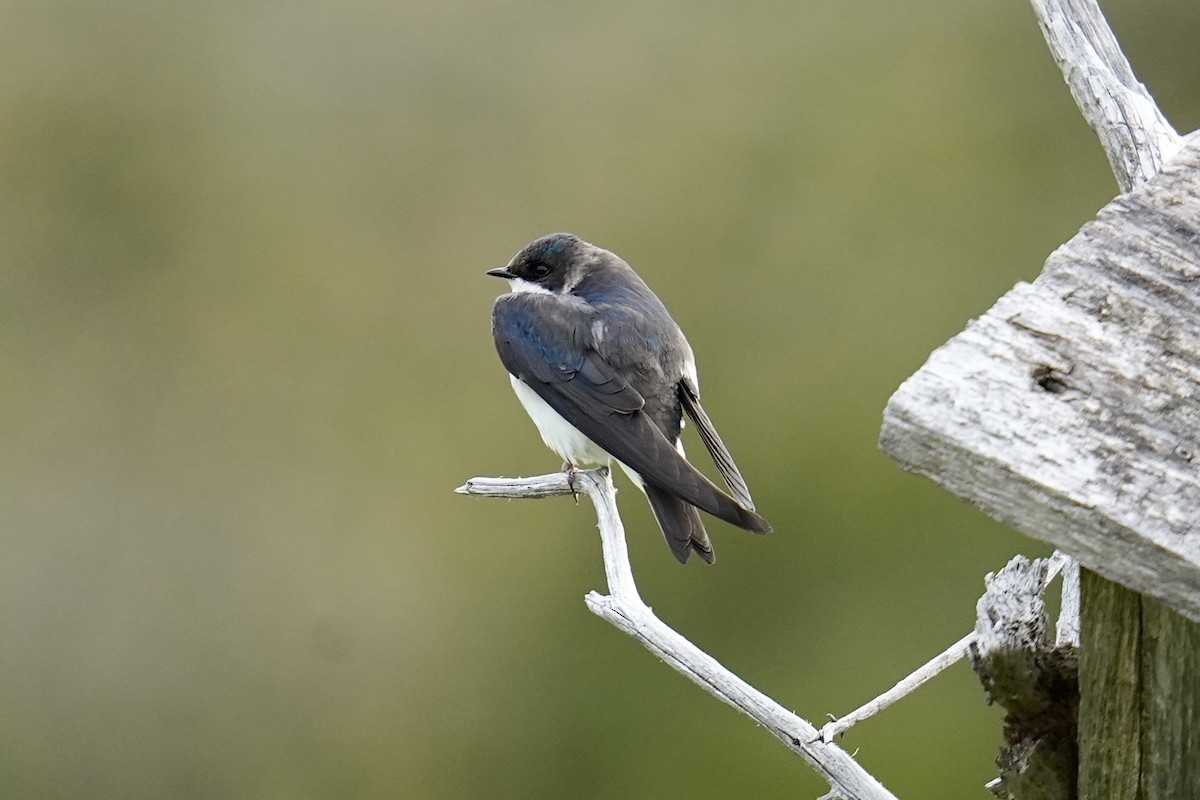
(1048,379)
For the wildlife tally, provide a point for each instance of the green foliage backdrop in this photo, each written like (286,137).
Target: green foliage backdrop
(245,358)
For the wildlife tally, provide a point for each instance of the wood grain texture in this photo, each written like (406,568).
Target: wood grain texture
(1110,720)
(1139,715)
(1071,409)
(1170,675)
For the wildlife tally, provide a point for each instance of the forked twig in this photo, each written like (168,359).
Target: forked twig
(623,607)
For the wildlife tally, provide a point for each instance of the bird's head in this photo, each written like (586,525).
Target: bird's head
(555,263)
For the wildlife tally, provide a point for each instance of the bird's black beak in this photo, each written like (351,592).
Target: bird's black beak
(501,272)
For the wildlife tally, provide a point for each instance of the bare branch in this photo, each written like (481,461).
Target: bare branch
(930,669)
(942,661)
(624,608)
(832,763)
(537,487)
(1135,135)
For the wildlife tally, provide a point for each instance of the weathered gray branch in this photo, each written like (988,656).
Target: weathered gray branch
(952,654)
(624,608)
(598,486)
(1135,135)
(906,686)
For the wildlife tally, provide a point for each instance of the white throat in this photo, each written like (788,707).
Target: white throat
(522,286)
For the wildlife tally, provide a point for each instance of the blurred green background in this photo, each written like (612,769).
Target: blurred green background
(245,358)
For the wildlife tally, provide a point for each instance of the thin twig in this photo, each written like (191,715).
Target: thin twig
(930,669)
(623,607)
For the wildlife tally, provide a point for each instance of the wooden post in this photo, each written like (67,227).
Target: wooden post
(1071,411)
(1139,717)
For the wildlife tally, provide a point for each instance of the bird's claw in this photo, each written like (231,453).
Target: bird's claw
(569,468)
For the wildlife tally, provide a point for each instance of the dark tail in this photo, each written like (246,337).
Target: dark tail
(680,479)
(681,525)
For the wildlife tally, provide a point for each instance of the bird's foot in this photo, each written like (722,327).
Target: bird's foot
(569,468)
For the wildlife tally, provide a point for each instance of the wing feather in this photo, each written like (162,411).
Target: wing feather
(712,441)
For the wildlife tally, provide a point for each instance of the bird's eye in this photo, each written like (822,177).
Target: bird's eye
(540,270)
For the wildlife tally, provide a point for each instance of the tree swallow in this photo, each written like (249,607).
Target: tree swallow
(606,374)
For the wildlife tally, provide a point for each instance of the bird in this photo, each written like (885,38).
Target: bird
(606,375)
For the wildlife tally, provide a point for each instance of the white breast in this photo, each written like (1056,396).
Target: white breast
(559,435)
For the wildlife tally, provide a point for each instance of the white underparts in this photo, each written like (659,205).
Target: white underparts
(633,476)
(559,435)
(564,438)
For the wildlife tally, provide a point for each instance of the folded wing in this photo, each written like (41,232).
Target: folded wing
(545,341)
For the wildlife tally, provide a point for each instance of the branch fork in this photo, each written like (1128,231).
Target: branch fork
(624,608)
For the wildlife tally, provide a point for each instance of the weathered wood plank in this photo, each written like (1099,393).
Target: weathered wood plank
(1071,409)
